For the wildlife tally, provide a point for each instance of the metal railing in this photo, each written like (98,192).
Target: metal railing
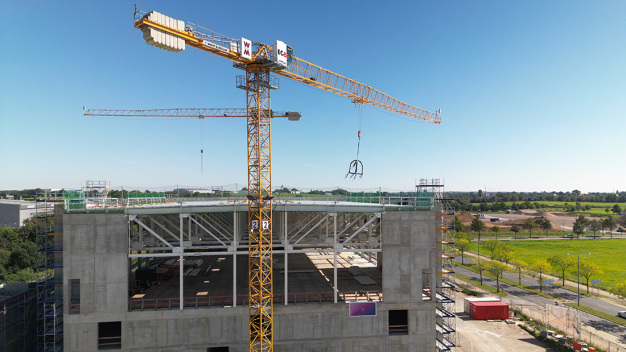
(242,300)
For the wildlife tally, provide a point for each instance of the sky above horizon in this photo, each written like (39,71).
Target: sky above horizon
(532,93)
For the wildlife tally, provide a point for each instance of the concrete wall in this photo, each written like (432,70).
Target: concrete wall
(408,248)
(95,251)
(306,327)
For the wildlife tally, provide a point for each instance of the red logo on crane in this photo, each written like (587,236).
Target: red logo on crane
(246,50)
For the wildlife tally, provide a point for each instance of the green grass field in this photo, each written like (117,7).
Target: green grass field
(606,253)
(596,208)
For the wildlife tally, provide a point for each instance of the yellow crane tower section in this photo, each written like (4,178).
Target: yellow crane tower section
(258,60)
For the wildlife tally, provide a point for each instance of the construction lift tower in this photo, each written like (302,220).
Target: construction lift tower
(258,60)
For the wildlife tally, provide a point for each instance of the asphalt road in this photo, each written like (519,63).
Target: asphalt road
(520,296)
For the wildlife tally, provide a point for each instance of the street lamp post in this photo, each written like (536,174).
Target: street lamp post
(578,272)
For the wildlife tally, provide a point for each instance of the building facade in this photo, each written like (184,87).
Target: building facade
(173,277)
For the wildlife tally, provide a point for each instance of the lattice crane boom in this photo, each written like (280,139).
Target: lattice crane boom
(258,60)
(200,113)
(299,70)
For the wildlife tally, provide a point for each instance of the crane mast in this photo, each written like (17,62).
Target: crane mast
(258,61)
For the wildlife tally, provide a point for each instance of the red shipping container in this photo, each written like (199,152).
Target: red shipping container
(489,310)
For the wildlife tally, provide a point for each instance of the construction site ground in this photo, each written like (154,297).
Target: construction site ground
(493,336)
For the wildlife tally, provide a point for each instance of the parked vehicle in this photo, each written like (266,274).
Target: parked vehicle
(569,235)
(622,314)
(619,229)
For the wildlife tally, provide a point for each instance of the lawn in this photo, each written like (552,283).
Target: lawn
(608,254)
(596,208)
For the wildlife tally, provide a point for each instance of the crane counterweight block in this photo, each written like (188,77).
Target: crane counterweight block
(161,38)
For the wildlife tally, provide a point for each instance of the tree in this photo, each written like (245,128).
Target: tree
(595,225)
(609,224)
(502,253)
(460,235)
(546,225)
(496,269)
(529,225)
(458,225)
(24,256)
(496,230)
(478,226)
(515,230)
(561,263)
(619,290)
(491,245)
(579,225)
(480,267)
(339,192)
(589,269)
(540,267)
(519,265)
(462,245)
(617,209)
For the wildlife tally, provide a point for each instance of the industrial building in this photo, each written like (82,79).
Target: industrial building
(172,275)
(14,212)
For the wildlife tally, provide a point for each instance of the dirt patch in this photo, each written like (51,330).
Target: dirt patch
(529,212)
(465,217)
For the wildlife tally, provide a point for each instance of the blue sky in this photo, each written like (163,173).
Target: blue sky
(532,95)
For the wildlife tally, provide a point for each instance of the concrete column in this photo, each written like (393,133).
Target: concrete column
(180,267)
(335,258)
(234,244)
(285,246)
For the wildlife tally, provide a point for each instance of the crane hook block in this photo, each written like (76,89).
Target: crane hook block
(355,170)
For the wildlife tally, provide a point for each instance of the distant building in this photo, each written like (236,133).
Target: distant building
(14,212)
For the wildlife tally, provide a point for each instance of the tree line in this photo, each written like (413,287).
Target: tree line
(481,201)
(503,260)
(18,252)
(581,224)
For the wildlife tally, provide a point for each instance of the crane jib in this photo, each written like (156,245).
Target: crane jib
(212,45)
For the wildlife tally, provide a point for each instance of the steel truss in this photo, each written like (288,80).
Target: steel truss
(219,234)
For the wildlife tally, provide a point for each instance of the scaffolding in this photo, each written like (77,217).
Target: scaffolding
(50,276)
(445,304)
(18,321)
(93,195)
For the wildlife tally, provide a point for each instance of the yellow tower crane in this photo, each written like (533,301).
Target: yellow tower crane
(258,60)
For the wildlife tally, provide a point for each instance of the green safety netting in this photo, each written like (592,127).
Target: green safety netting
(73,194)
(146,195)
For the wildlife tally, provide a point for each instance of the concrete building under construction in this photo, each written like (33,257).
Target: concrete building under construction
(361,274)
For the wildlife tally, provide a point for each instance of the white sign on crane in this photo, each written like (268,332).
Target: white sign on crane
(246,48)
